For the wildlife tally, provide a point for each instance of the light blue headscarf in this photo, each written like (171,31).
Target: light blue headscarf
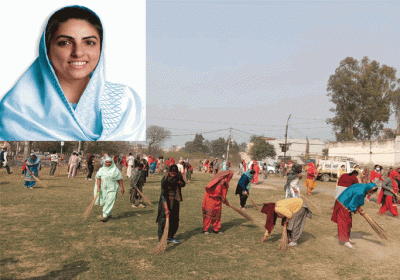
(353,196)
(37,109)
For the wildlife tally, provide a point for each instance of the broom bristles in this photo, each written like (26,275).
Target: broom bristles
(89,209)
(382,234)
(284,239)
(162,245)
(239,211)
(145,198)
(254,204)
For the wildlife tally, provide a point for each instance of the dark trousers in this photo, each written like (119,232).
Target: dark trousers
(6,167)
(243,199)
(53,168)
(173,221)
(90,168)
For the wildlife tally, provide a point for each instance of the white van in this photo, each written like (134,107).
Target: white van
(328,169)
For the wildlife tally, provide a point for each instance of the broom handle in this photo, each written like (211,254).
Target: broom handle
(303,197)
(396,195)
(145,198)
(36,178)
(254,204)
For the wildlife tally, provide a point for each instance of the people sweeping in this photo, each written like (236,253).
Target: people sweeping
(214,195)
(293,212)
(243,187)
(349,201)
(137,182)
(311,181)
(292,183)
(345,181)
(32,167)
(169,203)
(108,180)
(387,196)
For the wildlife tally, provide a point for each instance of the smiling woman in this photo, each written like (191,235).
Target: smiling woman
(64,95)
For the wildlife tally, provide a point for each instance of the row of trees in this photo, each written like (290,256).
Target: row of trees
(260,149)
(365,94)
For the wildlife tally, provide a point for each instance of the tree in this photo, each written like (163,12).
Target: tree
(242,147)
(362,93)
(395,100)
(387,133)
(197,145)
(156,136)
(218,147)
(261,149)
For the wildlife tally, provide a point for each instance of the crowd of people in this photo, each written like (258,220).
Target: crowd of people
(352,189)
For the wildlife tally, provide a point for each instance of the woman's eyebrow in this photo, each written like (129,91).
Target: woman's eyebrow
(72,38)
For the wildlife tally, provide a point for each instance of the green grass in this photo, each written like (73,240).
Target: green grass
(44,237)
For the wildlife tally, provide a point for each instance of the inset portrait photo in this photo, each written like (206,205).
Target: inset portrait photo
(73,72)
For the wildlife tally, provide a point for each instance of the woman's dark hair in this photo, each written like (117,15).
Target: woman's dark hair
(73,12)
(354,173)
(252,171)
(173,168)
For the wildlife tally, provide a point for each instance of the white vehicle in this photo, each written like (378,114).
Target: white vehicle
(328,169)
(270,168)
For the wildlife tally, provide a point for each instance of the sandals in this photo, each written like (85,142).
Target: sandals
(104,220)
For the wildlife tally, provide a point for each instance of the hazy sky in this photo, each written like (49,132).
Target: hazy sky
(249,64)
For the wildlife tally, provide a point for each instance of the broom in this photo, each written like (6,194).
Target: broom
(382,234)
(162,245)
(145,198)
(36,178)
(254,204)
(89,209)
(239,211)
(308,201)
(284,240)
(396,195)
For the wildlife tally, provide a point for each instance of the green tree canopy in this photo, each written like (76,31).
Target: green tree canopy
(197,145)
(362,92)
(261,149)
(218,147)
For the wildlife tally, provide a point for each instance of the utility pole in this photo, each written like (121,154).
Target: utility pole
(285,149)
(79,147)
(229,138)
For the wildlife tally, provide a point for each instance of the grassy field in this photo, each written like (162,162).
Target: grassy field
(43,236)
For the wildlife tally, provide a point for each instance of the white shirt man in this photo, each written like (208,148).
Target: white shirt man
(131,162)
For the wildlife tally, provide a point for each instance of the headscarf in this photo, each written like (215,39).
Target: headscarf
(105,111)
(392,176)
(225,175)
(172,161)
(269,209)
(353,196)
(292,175)
(311,168)
(250,176)
(111,172)
(32,162)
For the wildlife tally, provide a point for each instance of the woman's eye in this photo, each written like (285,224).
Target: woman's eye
(92,43)
(63,43)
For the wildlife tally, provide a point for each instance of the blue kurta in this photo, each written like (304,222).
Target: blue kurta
(353,196)
(37,109)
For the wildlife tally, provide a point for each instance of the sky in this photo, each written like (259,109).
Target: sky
(248,65)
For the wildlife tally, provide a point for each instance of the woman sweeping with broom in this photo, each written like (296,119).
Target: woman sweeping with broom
(293,212)
(108,179)
(215,194)
(349,201)
(168,206)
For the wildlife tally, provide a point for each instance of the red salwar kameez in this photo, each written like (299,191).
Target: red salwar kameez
(212,200)
(256,168)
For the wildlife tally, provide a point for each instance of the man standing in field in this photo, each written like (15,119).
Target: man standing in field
(54,162)
(137,181)
(216,166)
(131,161)
(3,160)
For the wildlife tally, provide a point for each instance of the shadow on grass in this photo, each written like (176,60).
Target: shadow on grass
(362,235)
(7,261)
(4,183)
(69,271)
(131,214)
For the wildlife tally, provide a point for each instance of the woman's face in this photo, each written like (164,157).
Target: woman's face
(74,50)
(108,163)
